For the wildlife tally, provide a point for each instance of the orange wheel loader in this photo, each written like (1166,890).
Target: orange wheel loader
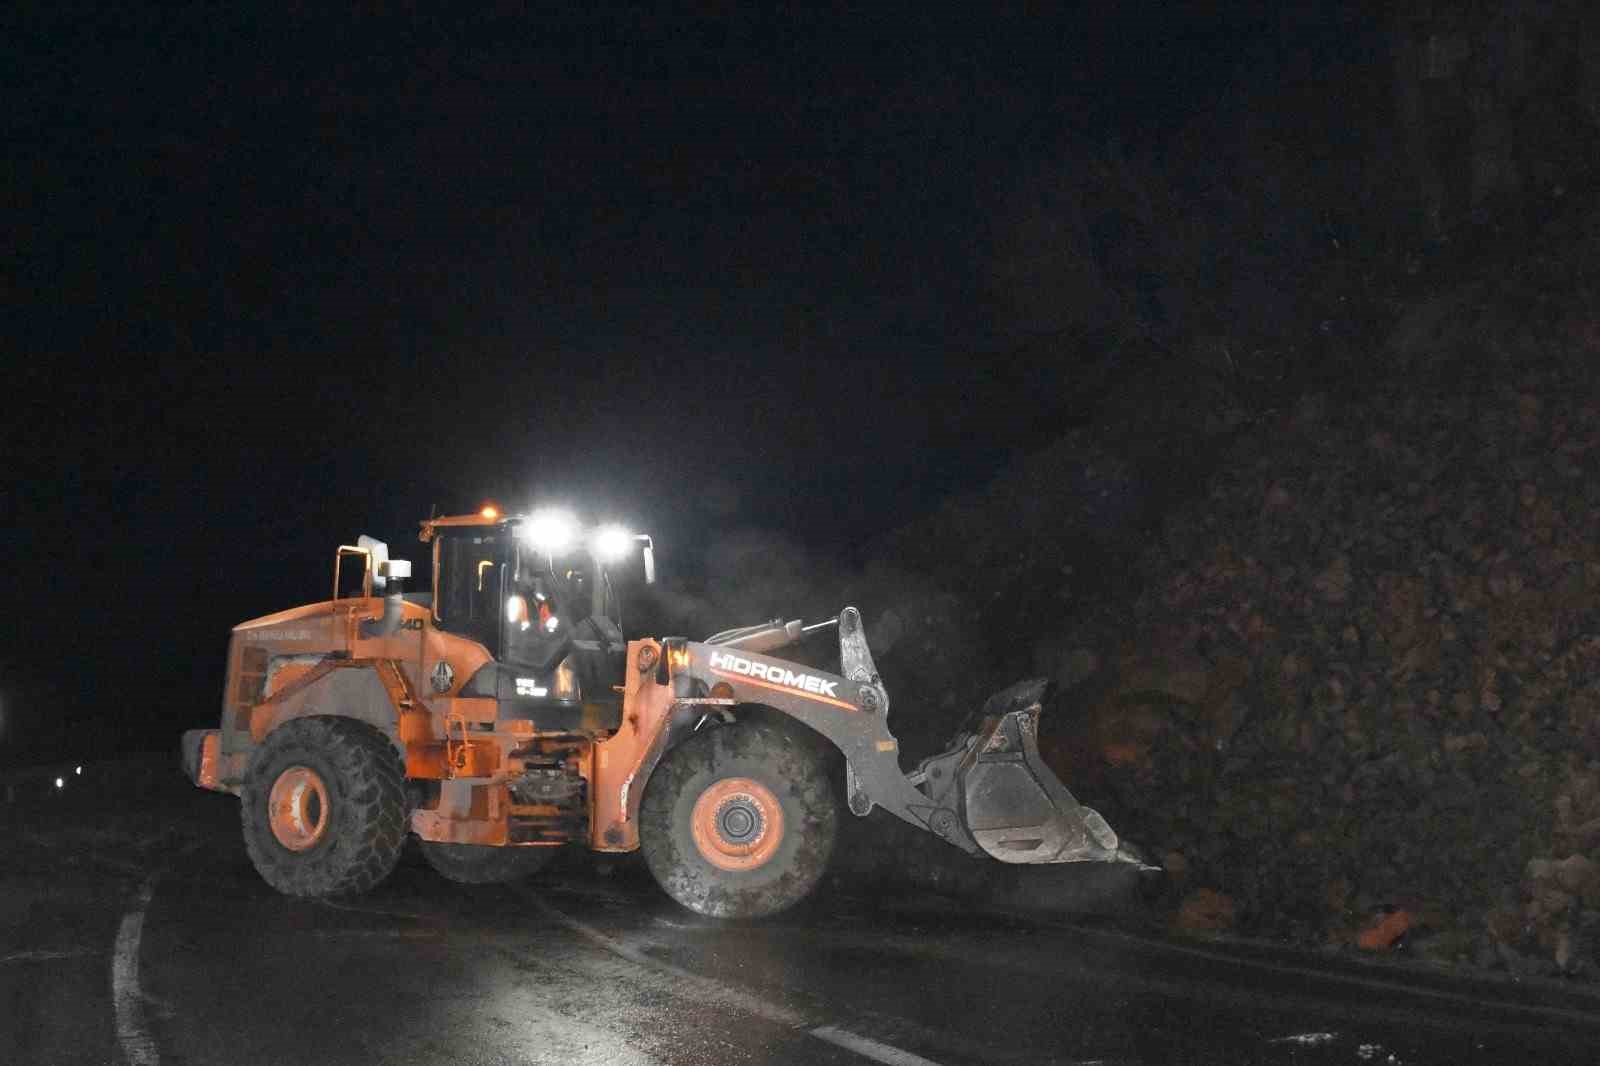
(503,715)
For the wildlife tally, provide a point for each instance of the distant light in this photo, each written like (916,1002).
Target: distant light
(61,782)
(612,543)
(490,511)
(550,531)
(78,770)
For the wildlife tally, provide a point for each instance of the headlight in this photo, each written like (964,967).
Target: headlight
(550,531)
(612,543)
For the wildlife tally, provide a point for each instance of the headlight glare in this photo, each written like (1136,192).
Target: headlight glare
(611,543)
(550,531)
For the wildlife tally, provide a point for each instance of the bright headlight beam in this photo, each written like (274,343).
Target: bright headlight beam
(549,531)
(612,543)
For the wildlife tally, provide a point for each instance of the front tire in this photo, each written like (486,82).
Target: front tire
(478,864)
(323,808)
(740,821)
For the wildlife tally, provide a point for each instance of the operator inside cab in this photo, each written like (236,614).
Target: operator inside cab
(540,596)
(547,618)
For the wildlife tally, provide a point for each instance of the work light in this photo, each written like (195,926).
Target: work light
(612,543)
(550,531)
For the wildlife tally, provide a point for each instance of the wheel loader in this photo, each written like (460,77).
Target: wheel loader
(502,715)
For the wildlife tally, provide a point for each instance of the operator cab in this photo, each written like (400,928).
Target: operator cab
(540,600)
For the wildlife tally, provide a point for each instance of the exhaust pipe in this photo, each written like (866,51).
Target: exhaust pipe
(395,571)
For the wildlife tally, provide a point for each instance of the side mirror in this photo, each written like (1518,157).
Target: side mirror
(377,555)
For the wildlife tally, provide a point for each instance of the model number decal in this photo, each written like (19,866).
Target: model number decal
(528,686)
(278,634)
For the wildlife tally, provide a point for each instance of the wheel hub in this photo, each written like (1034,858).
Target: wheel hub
(739,821)
(737,824)
(297,809)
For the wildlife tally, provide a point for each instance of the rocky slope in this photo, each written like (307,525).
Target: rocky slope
(1339,661)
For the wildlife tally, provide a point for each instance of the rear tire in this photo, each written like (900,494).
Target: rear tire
(323,807)
(740,821)
(478,864)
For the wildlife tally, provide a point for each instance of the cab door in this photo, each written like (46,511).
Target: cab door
(469,584)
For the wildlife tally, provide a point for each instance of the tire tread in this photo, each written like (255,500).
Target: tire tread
(372,783)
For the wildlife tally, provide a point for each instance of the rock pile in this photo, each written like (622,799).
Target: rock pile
(1559,915)
(1364,676)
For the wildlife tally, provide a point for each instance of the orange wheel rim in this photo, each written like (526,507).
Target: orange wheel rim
(298,808)
(737,824)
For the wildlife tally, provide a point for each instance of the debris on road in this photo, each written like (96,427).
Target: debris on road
(1205,910)
(1386,931)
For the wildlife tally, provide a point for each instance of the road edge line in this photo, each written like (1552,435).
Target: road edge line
(1394,981)
(127,1001)
(869,1048)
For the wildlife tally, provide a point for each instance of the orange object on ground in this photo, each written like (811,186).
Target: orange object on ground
(1205,910)
(1382,935)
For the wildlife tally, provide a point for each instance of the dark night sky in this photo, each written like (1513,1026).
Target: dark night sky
(276,280)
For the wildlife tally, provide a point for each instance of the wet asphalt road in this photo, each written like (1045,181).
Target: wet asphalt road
(139,933)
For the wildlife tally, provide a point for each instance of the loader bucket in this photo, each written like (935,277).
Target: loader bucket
(1016,809)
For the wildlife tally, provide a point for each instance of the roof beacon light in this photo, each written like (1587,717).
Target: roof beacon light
(549,531)
(611,543)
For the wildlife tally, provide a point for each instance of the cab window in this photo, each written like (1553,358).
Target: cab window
(471,570)
(548,602)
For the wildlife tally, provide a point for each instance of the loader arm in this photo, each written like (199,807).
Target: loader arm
(990,793)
